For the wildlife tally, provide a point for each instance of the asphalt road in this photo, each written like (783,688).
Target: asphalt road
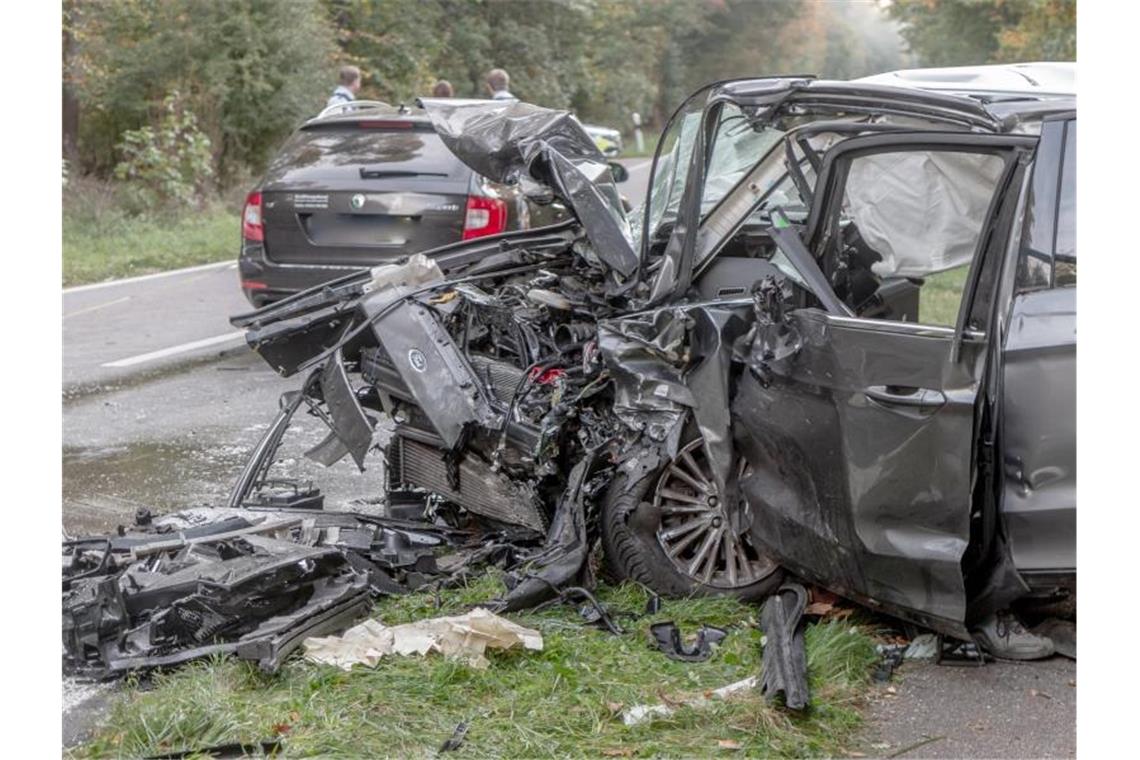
(635,187)
(1005,709)
(121,329)
(163,401)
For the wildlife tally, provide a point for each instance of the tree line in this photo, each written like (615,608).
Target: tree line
(249,72)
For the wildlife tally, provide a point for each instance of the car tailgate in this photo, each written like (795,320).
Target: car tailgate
(360,225)
(361,195)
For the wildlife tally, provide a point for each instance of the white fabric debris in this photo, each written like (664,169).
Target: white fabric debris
(921,210)
(463,637)
(639,714)
(922,647)
(419,270)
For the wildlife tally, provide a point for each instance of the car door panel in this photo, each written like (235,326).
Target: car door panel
(1038,438)
(840,426)
(1038,432)
(860,433)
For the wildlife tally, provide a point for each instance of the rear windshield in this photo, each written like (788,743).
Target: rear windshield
(313,152)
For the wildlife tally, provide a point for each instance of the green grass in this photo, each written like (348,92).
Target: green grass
(101,241)
(940,296)
(630,150)
(554,703)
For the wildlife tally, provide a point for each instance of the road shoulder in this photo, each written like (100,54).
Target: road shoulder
(1004,709)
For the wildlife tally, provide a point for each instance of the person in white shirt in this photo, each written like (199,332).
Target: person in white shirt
(497,82)
(345,92)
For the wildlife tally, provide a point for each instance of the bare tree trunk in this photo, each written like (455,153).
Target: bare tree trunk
(70,100)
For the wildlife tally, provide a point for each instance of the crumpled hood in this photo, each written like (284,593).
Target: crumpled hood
(511,142)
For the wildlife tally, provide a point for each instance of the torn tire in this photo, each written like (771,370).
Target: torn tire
(663,525)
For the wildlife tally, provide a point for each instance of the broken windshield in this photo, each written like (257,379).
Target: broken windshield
(671,166)
(737,146)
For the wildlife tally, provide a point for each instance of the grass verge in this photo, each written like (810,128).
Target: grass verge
(940,297)
(560,702)
(630,145)
(101,241)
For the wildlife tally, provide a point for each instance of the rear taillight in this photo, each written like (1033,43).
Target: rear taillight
(251,225)
(485,216)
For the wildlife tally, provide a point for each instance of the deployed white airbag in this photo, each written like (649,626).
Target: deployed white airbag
(921,210)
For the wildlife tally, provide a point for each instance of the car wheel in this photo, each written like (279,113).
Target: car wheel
(671,531)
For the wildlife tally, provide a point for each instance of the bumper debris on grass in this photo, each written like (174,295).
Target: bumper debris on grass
(559,701)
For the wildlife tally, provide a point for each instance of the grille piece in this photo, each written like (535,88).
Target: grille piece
(502,378)
(490,494)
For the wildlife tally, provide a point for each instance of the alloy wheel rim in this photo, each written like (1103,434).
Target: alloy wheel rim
(696,532)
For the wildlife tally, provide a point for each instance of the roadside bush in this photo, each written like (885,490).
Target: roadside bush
(167,163)
(249,71)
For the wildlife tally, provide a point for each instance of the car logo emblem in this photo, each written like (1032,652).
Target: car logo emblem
(358,201)
(417,359)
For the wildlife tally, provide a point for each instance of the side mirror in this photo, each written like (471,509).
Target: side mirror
(619,172)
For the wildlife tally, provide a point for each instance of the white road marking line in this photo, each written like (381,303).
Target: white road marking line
(639,167)
(96,306)
(173,350)
(155,276)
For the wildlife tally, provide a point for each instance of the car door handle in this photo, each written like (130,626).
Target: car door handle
(900,395)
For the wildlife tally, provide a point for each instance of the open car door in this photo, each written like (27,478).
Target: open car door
(861,433)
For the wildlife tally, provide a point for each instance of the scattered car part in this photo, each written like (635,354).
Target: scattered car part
(455,741)
(667,637)
(890,657)
(955,652)
(784,658)
(652,604)
(247,595)
(249,583)
(264,748)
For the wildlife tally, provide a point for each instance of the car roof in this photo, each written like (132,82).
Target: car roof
(1038,79)
(986,97)
(369,112)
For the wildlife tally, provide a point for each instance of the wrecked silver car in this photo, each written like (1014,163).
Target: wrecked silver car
(837,341)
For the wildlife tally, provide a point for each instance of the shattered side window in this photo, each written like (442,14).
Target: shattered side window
(737,147)
(914,219)
(1038,229)
(672,167)
(1065,253)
